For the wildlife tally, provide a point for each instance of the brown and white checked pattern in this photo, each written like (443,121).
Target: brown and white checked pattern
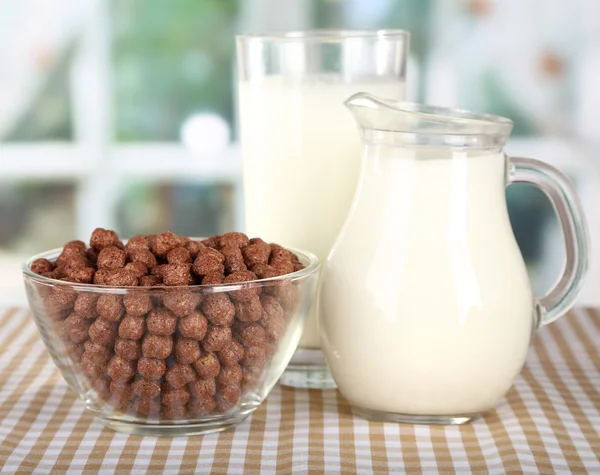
(548,423)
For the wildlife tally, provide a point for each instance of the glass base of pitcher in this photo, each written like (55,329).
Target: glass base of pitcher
(308,369)
(383,416)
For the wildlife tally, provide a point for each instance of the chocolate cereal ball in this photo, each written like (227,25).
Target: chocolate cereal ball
(264,271)
(173,412)
(175,397)
(230,375)
(137,268)
(254,356)
(132,327)
(143,256)
(146,389)
(272,309)
(120,369)
(251,375)
(204,265)
(102,238)
(234,239)
(250,310)
(279,253)
(128,349)
(179,375)
(272,318)
(158,270)
(245,294)
(156,346)
(214,278)
(201,406)
(165,242)
(75,351)
(161,321)
(72,259)
(137,304)
(282,267)
(257,252)
(102,388)
(138,242)
(181,302)
(121,394)
(234,260)
(228,397)
(146,407)
(39,266)
(97,352)
(80,275)
(78,245)
(179,255)
(102,332)
(231,353)
(194,247)
(207,366)
(61,298)
(187,350)
(212,242)
(111,257)
(93,364)
(177,275)
(151,368)
(250,334)
(150,281)
(119,278)
(110,307)
(151,240)
(77,328)
(120,388)
(211,253)
(92,255)
(101,276)
(68,251)
(286,295)
(216,338)
(218,309)
(203,387)
(91,369)
(193,325)
(270,349)
(57,274)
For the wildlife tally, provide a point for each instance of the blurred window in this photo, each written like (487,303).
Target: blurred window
(121,113)
(171,60)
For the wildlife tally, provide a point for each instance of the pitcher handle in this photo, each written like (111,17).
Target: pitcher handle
(560,191)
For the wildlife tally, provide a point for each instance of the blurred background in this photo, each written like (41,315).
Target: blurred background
(121,113)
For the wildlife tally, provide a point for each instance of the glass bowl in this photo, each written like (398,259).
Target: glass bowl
(189,376)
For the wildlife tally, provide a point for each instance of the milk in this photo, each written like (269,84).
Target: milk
(425,304)
(301,158)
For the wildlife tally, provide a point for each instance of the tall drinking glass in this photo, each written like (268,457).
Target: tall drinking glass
(301,153)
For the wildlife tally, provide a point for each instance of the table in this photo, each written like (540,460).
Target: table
(549,422)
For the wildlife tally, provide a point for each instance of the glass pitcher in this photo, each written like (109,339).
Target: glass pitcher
(426,310)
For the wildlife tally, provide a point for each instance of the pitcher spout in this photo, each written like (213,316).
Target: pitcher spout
(393,121)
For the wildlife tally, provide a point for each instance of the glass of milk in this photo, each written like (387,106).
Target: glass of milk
(300,148)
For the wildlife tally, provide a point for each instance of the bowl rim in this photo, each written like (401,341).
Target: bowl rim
(312,266)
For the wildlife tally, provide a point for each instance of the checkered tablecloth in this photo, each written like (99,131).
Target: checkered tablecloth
(549,422)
